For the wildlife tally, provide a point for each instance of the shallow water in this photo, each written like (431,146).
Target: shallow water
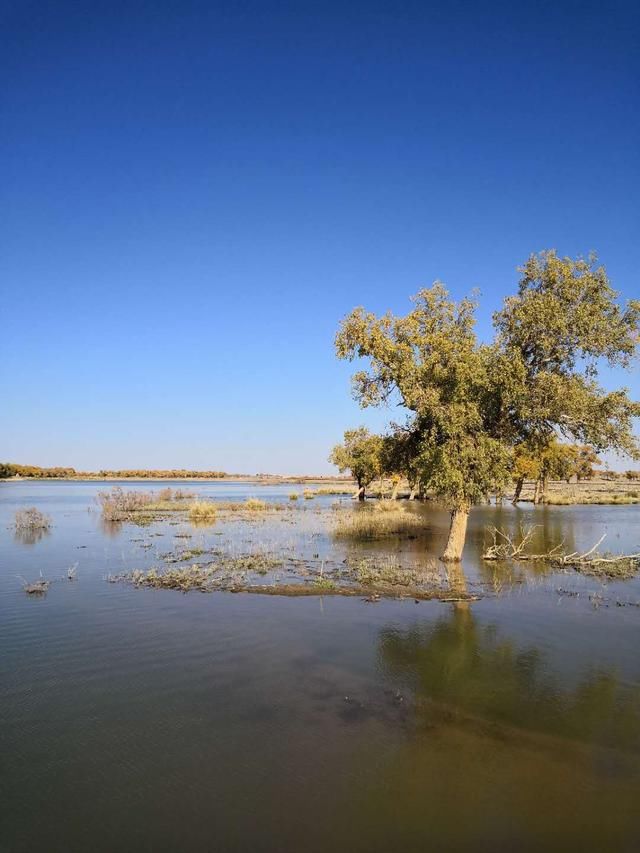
(136,719)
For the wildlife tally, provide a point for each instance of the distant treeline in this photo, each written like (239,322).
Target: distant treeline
(10,469)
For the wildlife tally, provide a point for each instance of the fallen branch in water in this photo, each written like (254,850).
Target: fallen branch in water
(588,562)
(504,547)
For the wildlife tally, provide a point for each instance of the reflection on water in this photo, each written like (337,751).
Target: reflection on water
(148,720)
(109,527)
(461,669)
(30,535)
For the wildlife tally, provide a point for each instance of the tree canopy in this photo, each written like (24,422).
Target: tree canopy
(360,454)
(471,403)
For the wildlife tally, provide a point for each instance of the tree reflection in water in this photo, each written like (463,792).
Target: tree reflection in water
(462,671)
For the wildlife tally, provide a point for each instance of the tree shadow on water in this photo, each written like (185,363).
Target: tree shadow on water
(462,671)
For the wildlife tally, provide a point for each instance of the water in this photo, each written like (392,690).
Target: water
(136,719)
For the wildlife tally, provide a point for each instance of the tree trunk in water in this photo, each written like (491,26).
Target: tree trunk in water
(536,493)
(412,494)
(457,535)
(360,492)
(543,493)
(394,491)
(518,491)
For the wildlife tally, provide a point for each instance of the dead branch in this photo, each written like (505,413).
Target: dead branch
(591,561)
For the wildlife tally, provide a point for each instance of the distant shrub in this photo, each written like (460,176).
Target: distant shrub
(118,505)
(308,495)
(167,495)
(293,496)
(31,519)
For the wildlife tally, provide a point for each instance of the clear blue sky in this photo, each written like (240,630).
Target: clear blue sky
(194,193)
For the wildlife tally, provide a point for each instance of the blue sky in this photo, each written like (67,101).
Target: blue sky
(193,194)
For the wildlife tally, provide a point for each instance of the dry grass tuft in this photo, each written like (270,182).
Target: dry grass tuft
(31,519)
(255,505)
(384,519)
(593,498)
(203,511)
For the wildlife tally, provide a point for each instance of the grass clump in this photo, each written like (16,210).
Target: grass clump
(118,505)
(384,572)
(255,505)
(31,519)
(308,495)
(203,511)
(169,495)
(293,496)
(611,567)
(384,519)
(593,498)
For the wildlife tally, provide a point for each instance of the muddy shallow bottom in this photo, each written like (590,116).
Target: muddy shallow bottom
(144,719)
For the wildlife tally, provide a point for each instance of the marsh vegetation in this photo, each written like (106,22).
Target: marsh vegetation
(31,519)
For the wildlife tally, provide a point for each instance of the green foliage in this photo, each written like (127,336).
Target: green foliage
(430,359)
(563,323)
(360,454)
(472,404)
(584,460)
(399,453)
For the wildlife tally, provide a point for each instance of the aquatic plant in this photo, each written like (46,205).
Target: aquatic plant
(118,505)
(386,518)
(31,519)
(38,587)
(385,571)
(255,505)
(203,511)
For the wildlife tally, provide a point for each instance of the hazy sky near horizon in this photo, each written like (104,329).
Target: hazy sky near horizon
(194,193)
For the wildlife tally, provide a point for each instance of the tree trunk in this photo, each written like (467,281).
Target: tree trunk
(360,492)
(518,491)
(537,493)
(412,493)
(457,535)
(394,491)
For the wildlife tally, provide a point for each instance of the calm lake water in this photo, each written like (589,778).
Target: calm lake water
(147,720)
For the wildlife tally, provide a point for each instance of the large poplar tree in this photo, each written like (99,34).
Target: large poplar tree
(473,402)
